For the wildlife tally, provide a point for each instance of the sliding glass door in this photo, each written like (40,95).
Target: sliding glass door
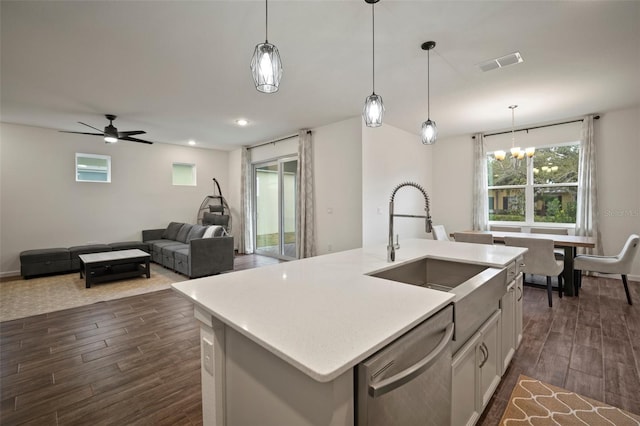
(274,204)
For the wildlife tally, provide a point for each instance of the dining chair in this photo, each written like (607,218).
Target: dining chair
(505,228)
(620,264)
(473,237)
(555,231)
(439,233)
(539,260)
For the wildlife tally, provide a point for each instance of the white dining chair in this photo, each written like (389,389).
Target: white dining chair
(439,233)
(555,231)
(473,237)
(620,264)
(540,260)
(506,228)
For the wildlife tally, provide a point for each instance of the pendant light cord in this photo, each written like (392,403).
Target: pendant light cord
(266,21)
(428,84)
(373,39)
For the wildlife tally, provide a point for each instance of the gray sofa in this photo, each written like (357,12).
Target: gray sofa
(190,249)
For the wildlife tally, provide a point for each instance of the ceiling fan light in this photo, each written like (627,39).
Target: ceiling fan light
(110,139)
(266,68)
(429,132)
(373,110)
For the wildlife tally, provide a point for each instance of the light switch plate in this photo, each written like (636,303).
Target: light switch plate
(207,355)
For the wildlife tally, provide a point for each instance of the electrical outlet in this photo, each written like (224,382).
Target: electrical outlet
(207,355)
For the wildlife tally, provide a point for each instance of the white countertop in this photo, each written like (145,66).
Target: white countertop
(323,315)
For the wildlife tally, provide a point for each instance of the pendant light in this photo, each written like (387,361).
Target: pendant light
(373,107)
(515,150)
(266,66)
(429,130)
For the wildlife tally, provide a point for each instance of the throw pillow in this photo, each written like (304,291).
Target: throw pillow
(215,219)
(184,231)
(171,233)
(197,231)
(214,231)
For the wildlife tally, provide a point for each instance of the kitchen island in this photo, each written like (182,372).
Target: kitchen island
(279,343)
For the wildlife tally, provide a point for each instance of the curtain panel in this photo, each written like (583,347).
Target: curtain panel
(587,200)
(245,245)
(305,222)
(480,191)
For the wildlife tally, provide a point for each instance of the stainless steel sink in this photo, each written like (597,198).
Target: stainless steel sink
(477,289)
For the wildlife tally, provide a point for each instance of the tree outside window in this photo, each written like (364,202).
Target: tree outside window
(539,189)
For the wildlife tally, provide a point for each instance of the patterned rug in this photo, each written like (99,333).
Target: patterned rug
(537,403)
(21,298)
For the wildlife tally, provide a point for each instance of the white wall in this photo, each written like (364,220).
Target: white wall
(391,156)
(337,150)
(617,136)
(43,206)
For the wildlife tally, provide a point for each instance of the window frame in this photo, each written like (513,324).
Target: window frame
(193,174)
(79,168)
(529,191)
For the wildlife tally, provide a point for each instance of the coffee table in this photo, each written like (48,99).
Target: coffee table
(114,265)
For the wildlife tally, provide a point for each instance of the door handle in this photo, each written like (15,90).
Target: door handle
(399,379)
(485,352)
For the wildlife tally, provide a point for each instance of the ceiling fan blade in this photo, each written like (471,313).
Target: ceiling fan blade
(129,138)
(94,128)
(131,133)
(83,133)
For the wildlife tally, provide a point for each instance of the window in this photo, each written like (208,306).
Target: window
(540,189)
(93,168)
(184,174)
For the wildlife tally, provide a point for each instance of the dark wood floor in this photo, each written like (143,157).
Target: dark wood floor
(589,345)
(136,360)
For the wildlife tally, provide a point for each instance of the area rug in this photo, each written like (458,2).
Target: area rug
(21,298)
(537,403)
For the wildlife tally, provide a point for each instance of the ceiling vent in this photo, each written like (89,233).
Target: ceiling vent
(503,61)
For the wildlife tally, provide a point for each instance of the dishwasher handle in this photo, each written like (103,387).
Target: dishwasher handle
(397,380)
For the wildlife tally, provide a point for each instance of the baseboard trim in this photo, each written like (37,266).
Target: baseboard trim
(9,275)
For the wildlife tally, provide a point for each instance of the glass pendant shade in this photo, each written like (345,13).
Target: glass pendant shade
(429,132)
(373,110)
(500,155)
(530,151)
(266,68)
(515,151)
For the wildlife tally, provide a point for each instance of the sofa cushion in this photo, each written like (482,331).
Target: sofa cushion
(171,233)
(215,219)
(127,245)
(44,255)
(197,231)
(184,231)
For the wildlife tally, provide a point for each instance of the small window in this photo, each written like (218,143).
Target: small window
(93,168)
(184,174)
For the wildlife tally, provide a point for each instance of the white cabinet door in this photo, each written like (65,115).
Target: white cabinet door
(490,365)
(508,321)
(464,410)
(518,311)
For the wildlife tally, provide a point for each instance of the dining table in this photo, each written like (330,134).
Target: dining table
(569,243)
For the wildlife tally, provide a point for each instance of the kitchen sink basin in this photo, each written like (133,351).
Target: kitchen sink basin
(477,289)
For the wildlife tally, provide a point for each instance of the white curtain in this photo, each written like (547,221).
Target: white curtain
(245,244)
(587,204)
(480,192)
(305,223)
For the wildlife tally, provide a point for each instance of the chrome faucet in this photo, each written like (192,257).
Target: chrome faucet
(391,247)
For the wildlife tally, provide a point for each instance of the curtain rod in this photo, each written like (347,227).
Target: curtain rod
(277,140)
(596,117)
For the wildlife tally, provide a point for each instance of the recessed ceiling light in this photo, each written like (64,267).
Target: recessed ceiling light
(241,122)
(192,142)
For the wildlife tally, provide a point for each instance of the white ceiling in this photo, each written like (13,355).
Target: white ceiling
(180,69)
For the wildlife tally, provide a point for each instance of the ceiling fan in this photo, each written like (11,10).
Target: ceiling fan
(111,133)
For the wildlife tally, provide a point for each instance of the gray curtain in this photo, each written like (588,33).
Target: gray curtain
(245,244)
(480,192)
(305,223)
(587,204)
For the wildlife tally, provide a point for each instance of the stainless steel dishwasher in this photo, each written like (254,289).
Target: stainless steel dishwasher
(409,382)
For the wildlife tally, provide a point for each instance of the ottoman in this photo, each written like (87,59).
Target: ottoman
(127,245)
(44,261)
(86,249)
